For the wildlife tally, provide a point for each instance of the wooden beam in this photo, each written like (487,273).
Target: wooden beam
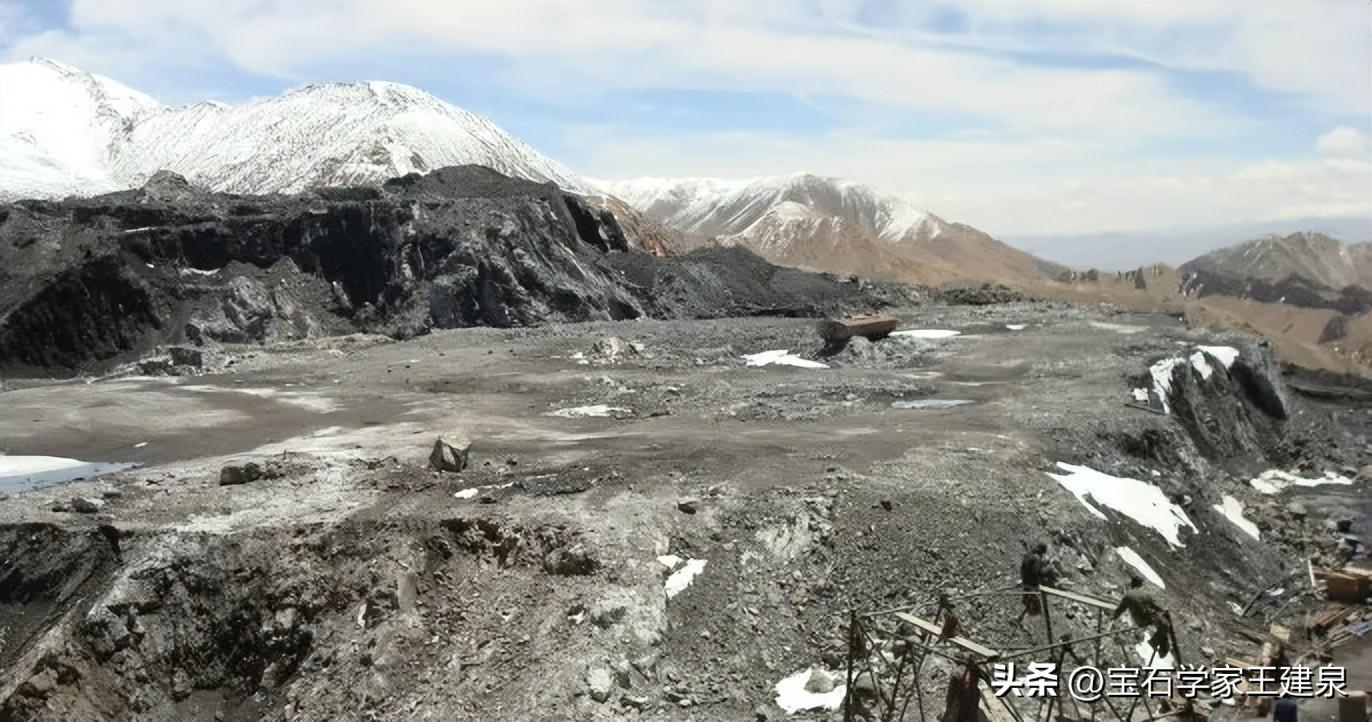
(1089,601)
(934,629)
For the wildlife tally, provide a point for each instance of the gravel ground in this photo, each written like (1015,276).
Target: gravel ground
(355,583)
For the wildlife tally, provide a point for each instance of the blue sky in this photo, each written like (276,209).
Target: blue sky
(1018,117)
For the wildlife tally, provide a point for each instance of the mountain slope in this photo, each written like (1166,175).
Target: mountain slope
(1314,257)
(57,126)
(830,224)
(64,131)
(718,207)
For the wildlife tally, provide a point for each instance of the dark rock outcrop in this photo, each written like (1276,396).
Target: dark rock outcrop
(86,282)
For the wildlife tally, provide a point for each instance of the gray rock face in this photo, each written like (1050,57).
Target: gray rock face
(450,453)
(82,505)
(819,682)
(234,474)
(599,683)
(100,280)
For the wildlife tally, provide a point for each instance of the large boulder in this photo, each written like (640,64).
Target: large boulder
(450,453)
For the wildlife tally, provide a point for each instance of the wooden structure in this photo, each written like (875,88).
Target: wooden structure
(887,649)
(872,327)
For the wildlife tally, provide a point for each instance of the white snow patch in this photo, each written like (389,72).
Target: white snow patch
(781,357)
(669,560)
(792,696)
(19,473)
(1232,510)
(1226,354)
(1273,481)
(1133,559)
(472,492)
(24,465)
(1016,326)
(140,444)
(580,412)
(1138,500)
(1162,380)
(682,578)
(1201,365)
(930,333)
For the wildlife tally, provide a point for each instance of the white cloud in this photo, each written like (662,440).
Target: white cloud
(1059,147)
(1059,185)
(1343,141)
(562,48)
(1319,50)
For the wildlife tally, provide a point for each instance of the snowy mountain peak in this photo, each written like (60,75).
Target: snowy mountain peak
(720,207)
(64,131)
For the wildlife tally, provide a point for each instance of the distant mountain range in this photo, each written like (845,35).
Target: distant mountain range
(829,224)
(1314,257)
(64,131)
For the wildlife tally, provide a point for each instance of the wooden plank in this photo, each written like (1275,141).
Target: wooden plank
(1084,599)
(995,708)
(936,630)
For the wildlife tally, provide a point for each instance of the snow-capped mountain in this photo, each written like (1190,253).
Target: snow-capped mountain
(717,207)
(57,126)
(64,131)
(827,223)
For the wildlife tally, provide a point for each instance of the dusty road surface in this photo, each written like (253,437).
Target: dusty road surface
(650,527)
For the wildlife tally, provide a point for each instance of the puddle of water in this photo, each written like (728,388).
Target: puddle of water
(930,403)
(25,473)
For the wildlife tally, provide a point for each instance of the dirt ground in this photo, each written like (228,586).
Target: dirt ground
(356,583)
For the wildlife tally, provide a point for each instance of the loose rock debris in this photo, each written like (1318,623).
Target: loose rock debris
(505,610)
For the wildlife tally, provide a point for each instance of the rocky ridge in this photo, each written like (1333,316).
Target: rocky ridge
(90,280)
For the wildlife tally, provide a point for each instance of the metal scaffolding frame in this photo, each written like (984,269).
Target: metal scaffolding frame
(914,639)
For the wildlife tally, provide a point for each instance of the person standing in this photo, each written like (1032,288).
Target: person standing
(1033,571)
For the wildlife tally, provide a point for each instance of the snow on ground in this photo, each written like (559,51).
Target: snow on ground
(781,357)
(1226,354)
(25,465)
(580,412)
(1138,500)
(472,492)
(682,578)
(930,333)
(1141,395)
(929,403)
(792,696)
(1162,380)
(21,473)
(1232,510)
(1015,326)
(1133,559)
(1273,481)
(1162,370)
(1201,365)
(669,560)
